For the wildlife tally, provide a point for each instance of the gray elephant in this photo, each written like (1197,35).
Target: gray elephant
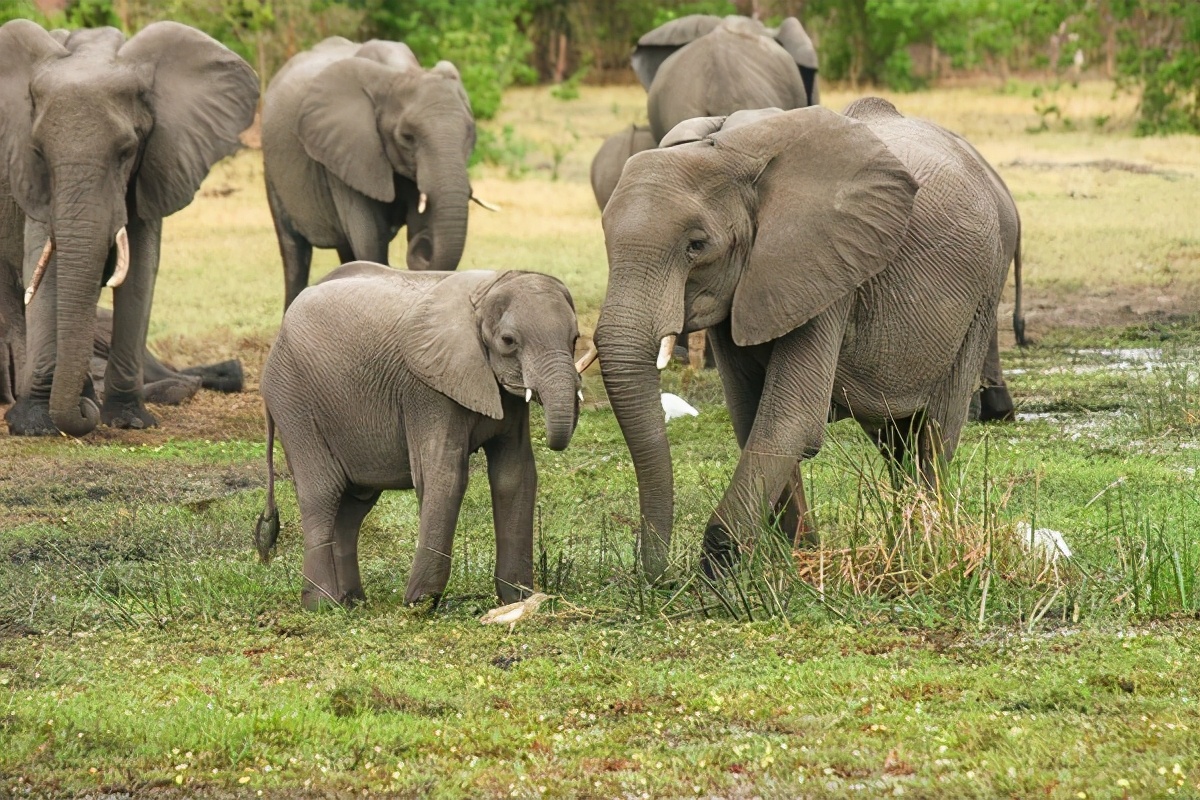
(611,157)
(359,141)
(100,138)
(702,65)
(847,260)
(389,379)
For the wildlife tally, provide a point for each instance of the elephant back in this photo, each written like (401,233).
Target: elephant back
(733,68)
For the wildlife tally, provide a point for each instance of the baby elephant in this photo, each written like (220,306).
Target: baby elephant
(390,379)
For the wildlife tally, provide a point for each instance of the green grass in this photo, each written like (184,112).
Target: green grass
(917,648)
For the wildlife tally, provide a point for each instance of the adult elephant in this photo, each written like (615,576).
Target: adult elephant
(847,260)
(611,157)
(358,141)
(702,65)
(100,138)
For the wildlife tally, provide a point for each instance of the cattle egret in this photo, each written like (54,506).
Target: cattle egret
(513,612)
(675,406)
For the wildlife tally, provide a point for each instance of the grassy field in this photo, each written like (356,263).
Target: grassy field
(144,649)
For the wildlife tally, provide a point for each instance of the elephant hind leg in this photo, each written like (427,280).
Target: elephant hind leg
(331,525)
(911,448)
(995,402)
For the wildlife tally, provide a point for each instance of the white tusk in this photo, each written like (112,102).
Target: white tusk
(421,201)
(485,203)
(580,395)
(587,358)
(118,276)
(665,351)
(528,395)
(39,270)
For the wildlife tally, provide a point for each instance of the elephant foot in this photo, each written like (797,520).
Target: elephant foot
(720,552)
(996,405)
(171,391)
(124,411)
(227,376)
(30,416)
(314,598)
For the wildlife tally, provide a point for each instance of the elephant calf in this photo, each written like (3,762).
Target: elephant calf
(390,379)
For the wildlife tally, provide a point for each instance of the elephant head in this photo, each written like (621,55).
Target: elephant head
(474,334)
(658,45)
(758,221)
(382,124)
(96,128)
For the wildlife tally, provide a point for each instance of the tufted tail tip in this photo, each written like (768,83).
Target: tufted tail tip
(266,531)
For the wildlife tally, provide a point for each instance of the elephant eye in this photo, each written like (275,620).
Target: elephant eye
(696,246)
(508,340)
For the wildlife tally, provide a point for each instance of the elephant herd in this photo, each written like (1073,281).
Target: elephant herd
(843,265)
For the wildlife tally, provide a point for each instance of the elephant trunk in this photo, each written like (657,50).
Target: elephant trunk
(442,178)
(556,383)
(82,250)
(627,363)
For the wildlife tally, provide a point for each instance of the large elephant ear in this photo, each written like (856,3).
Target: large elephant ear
(833,208)
(659,44)
(203,96)
(338,127)
(795,40)
(443,346)
(697,128)
(692,130)
(23,45)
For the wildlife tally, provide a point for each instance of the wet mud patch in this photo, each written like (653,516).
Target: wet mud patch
(46,487)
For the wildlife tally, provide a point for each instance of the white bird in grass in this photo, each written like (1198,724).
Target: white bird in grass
(1047,542)
(675,406)
(513,612)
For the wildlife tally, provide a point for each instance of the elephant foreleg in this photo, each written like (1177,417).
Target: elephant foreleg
(364,224)
(123,406)
(294,249)
(512,474)
(30,415)
(743,370)
(438,450)
(789,426)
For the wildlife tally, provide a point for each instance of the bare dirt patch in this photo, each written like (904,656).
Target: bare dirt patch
(1101,307)
(1102,164)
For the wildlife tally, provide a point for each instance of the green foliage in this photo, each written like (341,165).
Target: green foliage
(19,9)
(1162,55)
(506,150)
(92,14)
(482,39)
(720,8)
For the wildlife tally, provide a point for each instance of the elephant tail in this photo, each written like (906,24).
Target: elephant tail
(1018,315)
(266,530)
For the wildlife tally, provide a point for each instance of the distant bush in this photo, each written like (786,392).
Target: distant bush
(1160,52)
(482,38)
